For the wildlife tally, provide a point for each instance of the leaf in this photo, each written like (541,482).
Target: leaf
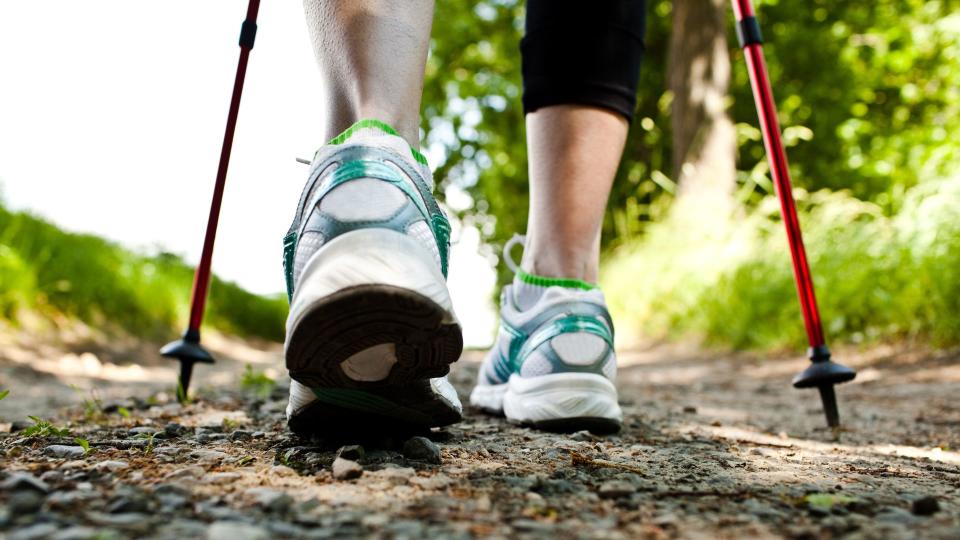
(85,444)
(4,394)
(123,411)
(827,501)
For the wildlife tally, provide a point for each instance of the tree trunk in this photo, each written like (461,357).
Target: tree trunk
(704,140)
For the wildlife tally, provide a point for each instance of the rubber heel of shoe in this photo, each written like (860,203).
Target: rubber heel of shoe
(364,289)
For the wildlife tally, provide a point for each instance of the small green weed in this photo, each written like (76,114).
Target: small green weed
(85,444)
(3,394)
(43,429)
(149,438)
(256,382)
(123,411)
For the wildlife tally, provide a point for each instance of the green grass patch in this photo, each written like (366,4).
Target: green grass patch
(877,276)
(83,276)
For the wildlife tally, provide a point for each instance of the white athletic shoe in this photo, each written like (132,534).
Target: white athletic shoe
(371,330)
(553,365)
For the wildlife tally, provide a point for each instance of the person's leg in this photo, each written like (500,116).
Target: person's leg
(371,330)
(573,151)
(554,364)
(372,55)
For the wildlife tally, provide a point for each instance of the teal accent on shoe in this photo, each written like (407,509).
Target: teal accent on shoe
(565,325)
(289,249)
(438,223)
(371,123)
(544,281)
(360,400)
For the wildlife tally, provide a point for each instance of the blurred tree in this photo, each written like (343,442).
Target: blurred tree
(704,141)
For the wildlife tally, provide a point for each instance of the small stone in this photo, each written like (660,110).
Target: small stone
(396,475)
(14,451)
(208,457)
(174,429)
(241,435)
(19,425)
(437,481)
(218,478)
(925,506)
(282,470)
(354,452)
(422,449)
(35,532)
(259,434)
(25,502)
(689,409)
(77,533)
(143,430)
(615,489)
(111,466)
(233,530)
(129,499)
(270,499)
(193,472)
(345,469)
(64,451)
(19,481)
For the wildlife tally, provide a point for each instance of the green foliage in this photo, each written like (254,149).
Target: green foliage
(149,437)
(43,429)
(867,92)
(4,394)
(826,501)
(45,268)
(85,444)
(878,277)
(256,382)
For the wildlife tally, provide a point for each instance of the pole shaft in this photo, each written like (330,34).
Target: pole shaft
(201,279)
(777,158)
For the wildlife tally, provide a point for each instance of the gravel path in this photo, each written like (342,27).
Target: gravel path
(713,447)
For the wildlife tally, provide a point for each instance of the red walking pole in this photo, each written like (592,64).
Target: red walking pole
(188,350)
(823,373)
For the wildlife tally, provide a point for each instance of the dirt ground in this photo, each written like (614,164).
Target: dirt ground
(713,446)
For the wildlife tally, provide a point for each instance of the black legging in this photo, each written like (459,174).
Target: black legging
(583,52)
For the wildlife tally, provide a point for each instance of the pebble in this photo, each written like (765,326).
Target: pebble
(437,481)
(259,434)
(111,466)
(78,533)
(143,430)
(174,429)
(273,500)
(64,451)
(35,532)
(208,457)
(241,435)
(25,502)
(353,452)
(281,471)
(232,530)
(19,481)
(396,475)
(186,472)
(422,449)
(925,506)
(615,489)
(218,478)
(345,469)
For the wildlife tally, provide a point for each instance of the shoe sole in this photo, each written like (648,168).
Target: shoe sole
(364,290)
(362,317)
(350,413)
(561,402)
